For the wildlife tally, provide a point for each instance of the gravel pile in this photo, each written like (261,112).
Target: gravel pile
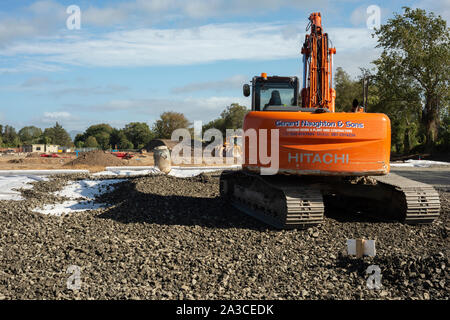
(96,158)
(172,238)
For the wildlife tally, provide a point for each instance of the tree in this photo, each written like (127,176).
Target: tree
(444,133)
(91,142)
(43,139)
(114,138)
(79,140)
(101,133)
(79,144)
(119,140)
(168,122)
(10,137)
(57,135)
(401,101)
(346,90)
(30,134)
(233,116)
(124,144)
(415,66)
(230,118)
(218,123)
(138,133)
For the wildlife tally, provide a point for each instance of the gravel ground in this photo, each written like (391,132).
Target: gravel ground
(172,238)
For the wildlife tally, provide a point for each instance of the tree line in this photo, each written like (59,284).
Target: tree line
(10,138)
(135,135)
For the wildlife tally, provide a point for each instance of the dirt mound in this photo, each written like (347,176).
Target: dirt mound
(96,158)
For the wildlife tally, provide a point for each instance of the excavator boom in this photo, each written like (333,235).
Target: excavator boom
(317,91)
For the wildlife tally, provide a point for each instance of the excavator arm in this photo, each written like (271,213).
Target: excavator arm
(317,91)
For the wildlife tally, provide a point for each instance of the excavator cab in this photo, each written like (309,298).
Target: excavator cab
(273,93)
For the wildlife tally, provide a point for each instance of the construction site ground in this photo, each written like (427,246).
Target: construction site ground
(36,162)
(164,237)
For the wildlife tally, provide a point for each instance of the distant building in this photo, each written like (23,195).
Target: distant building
(41,148)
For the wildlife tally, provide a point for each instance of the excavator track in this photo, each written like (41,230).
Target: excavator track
(419,201)
(297,202)
(273,201)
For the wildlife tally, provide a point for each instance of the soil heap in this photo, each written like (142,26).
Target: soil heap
(96,158)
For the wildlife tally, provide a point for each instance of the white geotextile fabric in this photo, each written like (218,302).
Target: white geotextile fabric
(81,195)
(127,171)
(180,172)
(185,172)
(9,183)
(17,179)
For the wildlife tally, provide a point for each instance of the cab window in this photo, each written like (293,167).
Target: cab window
(274,94)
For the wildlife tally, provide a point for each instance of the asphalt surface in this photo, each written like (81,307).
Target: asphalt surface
(439,177)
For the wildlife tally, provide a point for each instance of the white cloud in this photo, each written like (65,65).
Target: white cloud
(352,39)
(45,7)
(205,44)
(149,105)
(137,110)
(48,119)
(35,81)
(30,66)
(358,16)
(149,47)
(59,115)
(352,61)
(89,91)
(11,29)
(42,17)
(47,17)
(439,7)
(149,12)
(65,118)
(231,83)
(204,109)
(104,16)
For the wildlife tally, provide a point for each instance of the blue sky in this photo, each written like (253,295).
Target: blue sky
(133,60)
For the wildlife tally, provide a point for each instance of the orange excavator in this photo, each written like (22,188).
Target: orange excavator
(321,157)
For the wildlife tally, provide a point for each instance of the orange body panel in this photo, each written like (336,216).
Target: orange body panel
(323,144)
